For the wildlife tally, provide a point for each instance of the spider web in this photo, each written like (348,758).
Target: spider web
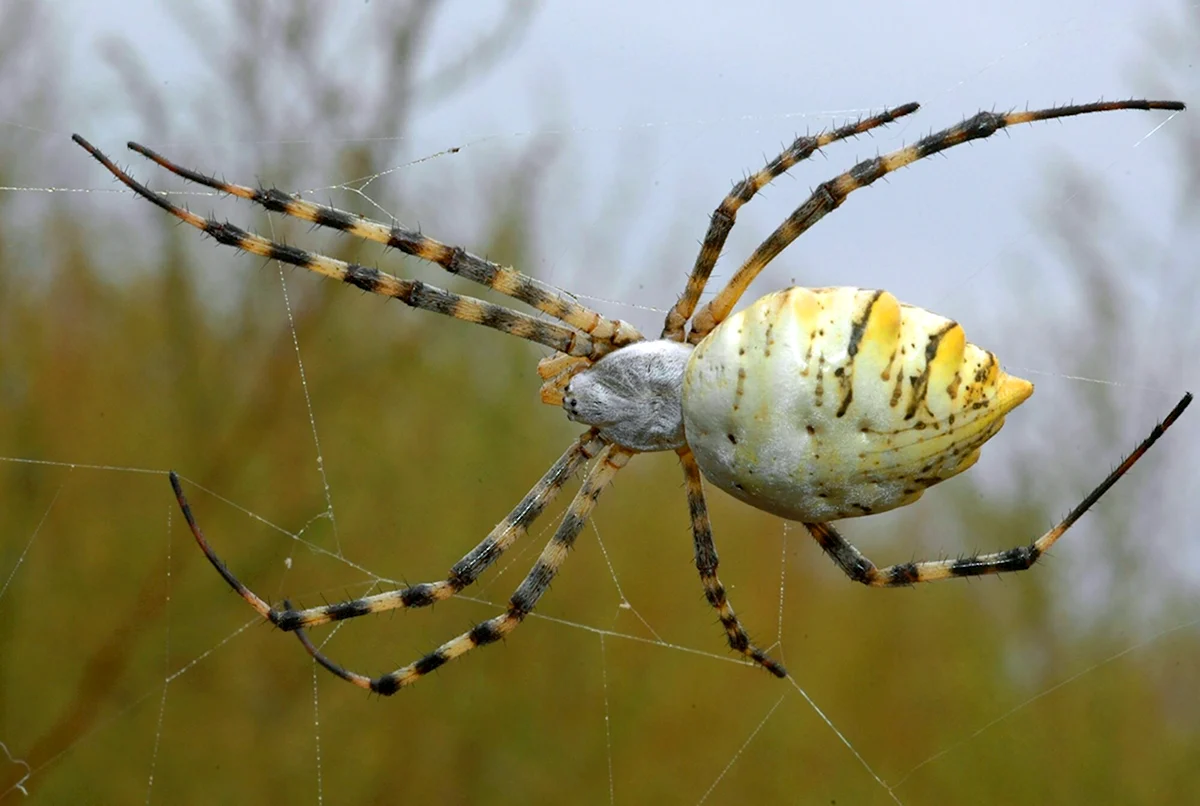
(619,689)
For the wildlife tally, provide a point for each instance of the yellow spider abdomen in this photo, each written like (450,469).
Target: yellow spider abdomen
(824,403)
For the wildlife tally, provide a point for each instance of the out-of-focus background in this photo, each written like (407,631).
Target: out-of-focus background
(332,441)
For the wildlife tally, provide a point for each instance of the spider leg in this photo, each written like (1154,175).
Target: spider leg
(252,598)
(463,574)
(706,564)
(861,569)
(829,195)
(455,260)
(412,292)
(725,215)
(520,605)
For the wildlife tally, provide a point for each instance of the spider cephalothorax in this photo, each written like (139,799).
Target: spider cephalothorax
(634,395)
(812,403)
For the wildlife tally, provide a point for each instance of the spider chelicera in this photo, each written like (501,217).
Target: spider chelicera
(815,404)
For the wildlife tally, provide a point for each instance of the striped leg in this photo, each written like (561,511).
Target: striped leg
(861,569)
(520,605)
(706,564)
(464,573)
(412,292)
(829,195)
(725,215)
(457,261)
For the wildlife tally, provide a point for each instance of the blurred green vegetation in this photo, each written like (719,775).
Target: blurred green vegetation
(111,355)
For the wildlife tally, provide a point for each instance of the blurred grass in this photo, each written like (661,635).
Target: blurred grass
(430,431)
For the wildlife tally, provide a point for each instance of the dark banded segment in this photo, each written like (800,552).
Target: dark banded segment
(457,261)
(524,599)
(707,563)
(858,328)
(336,612)
(412,292)
(724,217)
(920,383)
(860,569)
(828,196)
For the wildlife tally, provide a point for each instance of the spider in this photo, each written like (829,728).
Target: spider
(815,404)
